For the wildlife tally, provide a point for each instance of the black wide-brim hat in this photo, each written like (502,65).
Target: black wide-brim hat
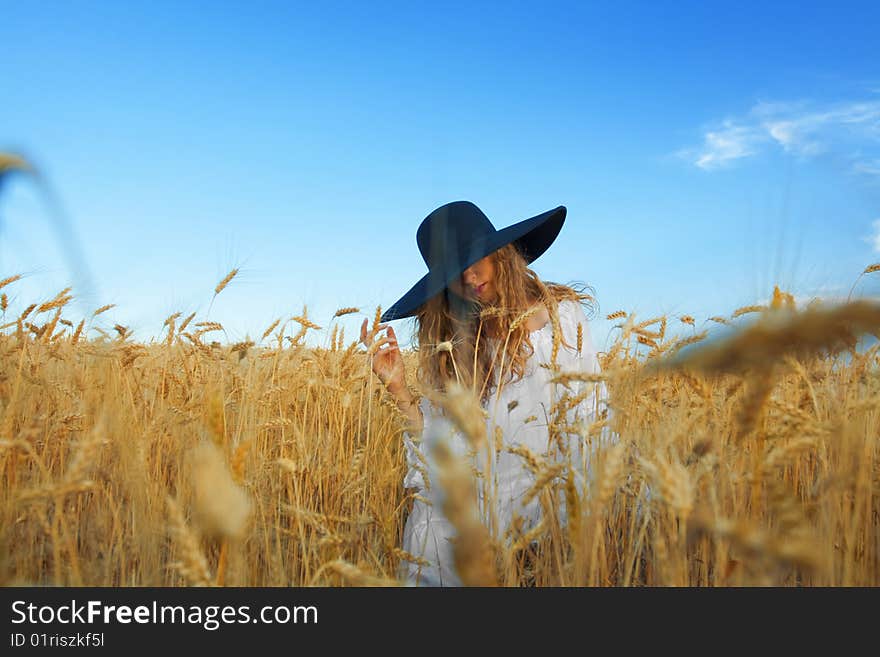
(458,234)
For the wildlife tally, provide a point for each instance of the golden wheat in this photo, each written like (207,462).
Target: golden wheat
(223,283)
(283,466)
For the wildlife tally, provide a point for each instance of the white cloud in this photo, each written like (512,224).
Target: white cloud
(783,132)
(874,239)
(867,168)
(730,142)
(795,136)
(806,130)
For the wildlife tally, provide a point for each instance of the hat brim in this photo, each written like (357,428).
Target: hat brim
(533,236)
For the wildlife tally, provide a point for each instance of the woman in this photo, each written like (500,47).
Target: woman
(485,321)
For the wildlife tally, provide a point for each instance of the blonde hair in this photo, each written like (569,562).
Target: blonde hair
(454,335)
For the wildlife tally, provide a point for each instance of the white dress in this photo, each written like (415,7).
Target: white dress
(427,531)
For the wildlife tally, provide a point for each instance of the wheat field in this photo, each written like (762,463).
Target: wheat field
(746,460)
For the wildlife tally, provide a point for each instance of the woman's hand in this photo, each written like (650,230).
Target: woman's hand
(388,366)
(387,360)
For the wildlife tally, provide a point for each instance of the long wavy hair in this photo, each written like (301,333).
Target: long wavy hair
(470,342)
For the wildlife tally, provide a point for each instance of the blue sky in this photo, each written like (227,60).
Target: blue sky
(705,153)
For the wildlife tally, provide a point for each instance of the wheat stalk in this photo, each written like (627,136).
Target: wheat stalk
(472,547)
(223,283)
(194,566)
(11,279)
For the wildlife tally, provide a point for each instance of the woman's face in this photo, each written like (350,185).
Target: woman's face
(477,282)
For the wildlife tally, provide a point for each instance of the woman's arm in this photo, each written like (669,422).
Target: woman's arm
(409,406)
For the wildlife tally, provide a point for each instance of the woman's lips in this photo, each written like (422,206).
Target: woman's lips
(479,289)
